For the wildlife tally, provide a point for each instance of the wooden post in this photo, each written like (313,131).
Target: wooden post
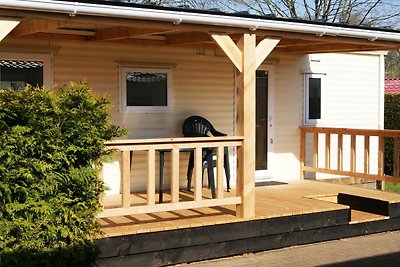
(246,57)
(126,179)
(151,176)
(246,127)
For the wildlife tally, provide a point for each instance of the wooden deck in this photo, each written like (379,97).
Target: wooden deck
(272,201)
(287,214)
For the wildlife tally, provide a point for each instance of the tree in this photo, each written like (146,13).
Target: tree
(361,12)
(392,64)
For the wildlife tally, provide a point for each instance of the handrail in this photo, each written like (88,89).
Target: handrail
(174,145)
(382,135)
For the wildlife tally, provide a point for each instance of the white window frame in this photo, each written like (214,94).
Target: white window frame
(322,76)
(144,109)
(45,58)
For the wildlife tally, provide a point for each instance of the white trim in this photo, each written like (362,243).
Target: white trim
(144,109)
(178,17)
(47,64)
(381,92)
(306,119)
(262,175)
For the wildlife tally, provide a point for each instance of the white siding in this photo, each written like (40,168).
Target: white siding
(351,101)
(201,85)
(204,85)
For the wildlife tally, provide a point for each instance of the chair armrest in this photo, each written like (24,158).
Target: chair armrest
(216,133)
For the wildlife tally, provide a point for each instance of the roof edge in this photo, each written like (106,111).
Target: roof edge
(175,16)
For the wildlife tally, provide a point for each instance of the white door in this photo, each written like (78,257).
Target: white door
(264,123)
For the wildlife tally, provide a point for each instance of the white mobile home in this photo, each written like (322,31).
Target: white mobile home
(263,81)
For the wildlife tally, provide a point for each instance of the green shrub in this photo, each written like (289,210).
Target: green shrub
(51,145)
(392,121)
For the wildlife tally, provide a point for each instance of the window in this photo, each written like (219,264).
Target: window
(314,84)
(145,90)
(18,70)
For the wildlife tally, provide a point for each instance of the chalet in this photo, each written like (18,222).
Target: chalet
(297,100)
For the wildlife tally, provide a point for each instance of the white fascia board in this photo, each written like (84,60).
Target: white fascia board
(177,17)
(6,26)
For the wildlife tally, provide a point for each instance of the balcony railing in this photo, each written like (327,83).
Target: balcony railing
(365,172)
(174,146)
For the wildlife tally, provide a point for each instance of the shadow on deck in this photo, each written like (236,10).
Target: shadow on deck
(290,214)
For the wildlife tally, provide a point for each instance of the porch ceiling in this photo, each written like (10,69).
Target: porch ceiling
(86,28)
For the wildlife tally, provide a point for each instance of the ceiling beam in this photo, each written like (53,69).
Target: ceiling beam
(332,48)
(188,38)
(297,42)
(32,26)
(117,33)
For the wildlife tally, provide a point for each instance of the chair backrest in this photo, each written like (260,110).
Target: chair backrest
(197,126)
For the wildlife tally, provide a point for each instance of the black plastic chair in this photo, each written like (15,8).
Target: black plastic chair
(197,126)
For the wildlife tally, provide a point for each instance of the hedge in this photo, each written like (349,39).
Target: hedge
(51,146)
(392,121)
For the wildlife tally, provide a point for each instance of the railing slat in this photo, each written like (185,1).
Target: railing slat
(198,185)
(315,146)
(353,153)
(151,176)
(366,154)
(381,155)
(174,147)
(396,157)
(175,175)
(302,153)
(352,161)
(126,179)
(328,151)
(220,172)
(340,152)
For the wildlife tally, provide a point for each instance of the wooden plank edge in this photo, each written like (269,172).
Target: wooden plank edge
(169,207)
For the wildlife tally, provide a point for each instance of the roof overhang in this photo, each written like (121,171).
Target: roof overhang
(99,22)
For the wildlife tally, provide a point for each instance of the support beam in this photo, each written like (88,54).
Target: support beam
(246,126)
(264,48)
(6,26)
(246,56)
(227,45)
(116,33)
(34,26)
(188,38)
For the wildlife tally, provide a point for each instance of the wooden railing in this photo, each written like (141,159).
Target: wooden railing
(174,146)
(381,135)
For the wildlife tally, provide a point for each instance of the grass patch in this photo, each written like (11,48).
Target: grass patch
(392,187)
